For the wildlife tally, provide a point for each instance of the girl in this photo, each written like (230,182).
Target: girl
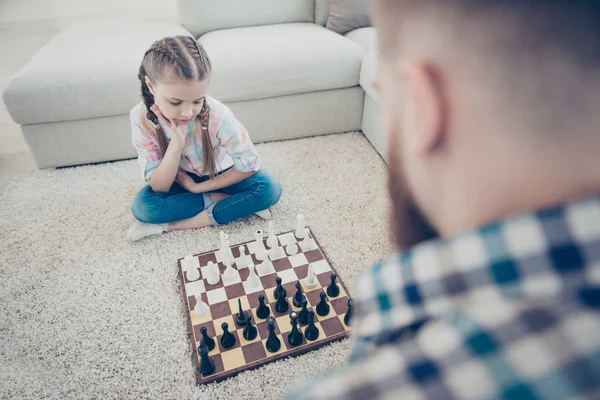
(200,164)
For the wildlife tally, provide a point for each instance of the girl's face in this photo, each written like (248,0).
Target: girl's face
(178,101)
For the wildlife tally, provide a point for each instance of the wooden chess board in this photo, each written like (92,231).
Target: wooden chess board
(223,303)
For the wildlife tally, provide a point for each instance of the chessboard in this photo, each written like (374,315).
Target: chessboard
(222,300)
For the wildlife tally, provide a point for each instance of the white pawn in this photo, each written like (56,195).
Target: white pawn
(271,239)
(243,261)
(266,267)
(192,273)
(308,243)
(212,273)
(225,249)
(260,246)
(277,251)
(201,308)
(311,280)
(292,249)
(253,281)
(229,271)
(299,226)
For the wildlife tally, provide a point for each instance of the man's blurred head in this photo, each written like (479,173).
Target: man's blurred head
(490,107)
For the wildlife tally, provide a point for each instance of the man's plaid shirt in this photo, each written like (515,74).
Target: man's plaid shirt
(508,311)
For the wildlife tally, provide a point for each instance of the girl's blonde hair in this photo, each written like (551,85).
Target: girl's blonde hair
(189,61)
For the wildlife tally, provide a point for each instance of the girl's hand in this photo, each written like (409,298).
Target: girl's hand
(178,131)
(187,182)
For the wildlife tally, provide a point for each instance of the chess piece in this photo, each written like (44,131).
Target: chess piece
(282,305)
(297,299)
(201,308)
(192,272)
(279,289)
(208,341)
(207,365)
(250,331)
(292,249)
(229,272)
(295,336)
(244,260)
(225,249)
(271,239)
(307,243)
(262,311)
(240,317)
(277,251)
(300,232)
(348,315)
(303,314)
(311,280)
(260,246)
(333,290)
(253,281)
(323,306)
(266,267)
(228,338)
(273,344)
(311,332)
(213,276)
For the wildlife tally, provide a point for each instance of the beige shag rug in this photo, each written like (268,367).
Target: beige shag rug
(86,314)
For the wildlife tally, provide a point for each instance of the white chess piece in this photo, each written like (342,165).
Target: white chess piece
(308,243)
(213,275)
(244,260)
(299,226)
(229,271)
(225,249)
(253,281)
(266,267)
(271,239)
(292,249)
(277,251)
(311,280)
(260,246)
(191,271)
(201,308)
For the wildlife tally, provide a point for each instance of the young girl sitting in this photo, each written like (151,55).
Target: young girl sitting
(200,164)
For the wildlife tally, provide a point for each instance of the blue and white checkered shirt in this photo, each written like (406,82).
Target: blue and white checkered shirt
(509,311)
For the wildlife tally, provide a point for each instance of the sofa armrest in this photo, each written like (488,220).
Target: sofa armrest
(202,16)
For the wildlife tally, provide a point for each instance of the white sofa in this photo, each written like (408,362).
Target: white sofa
(282,73)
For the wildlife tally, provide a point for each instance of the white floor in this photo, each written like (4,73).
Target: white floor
(25,27)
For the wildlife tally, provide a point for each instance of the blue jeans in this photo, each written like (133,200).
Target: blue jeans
(256,193)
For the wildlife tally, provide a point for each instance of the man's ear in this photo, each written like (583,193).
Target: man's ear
(427,105)
(149,84)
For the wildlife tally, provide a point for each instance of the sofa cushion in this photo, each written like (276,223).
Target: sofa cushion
(365,37)
(87,71)
(347,15)
(275,60)
(367,75)
(321,12)
(201,16)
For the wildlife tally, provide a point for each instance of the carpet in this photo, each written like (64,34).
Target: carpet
(85,314)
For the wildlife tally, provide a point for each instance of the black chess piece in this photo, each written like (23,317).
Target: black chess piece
(303,314)
(282,305)
(297,300)
(273,343)
(348,315)
(208,341)
(295,336)
(240,317)
(279,289)
(333,290)
(323,306)
(250,330)
(262,311)
(228,338)
(207,365)
(311,332)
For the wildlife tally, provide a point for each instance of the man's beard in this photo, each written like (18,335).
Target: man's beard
(409,224)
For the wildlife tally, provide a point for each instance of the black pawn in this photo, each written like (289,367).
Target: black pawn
(228,338)
(348,315)
(282,304)
(295,336)
(240,317)
(311,332)
(262,311)
(250,330)
(279,289)
(208,341)
(297,300)
(207,365)
(333,290)
(273,343)
(323,306)
(303,314)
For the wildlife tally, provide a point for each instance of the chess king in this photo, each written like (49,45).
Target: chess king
(491,115)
